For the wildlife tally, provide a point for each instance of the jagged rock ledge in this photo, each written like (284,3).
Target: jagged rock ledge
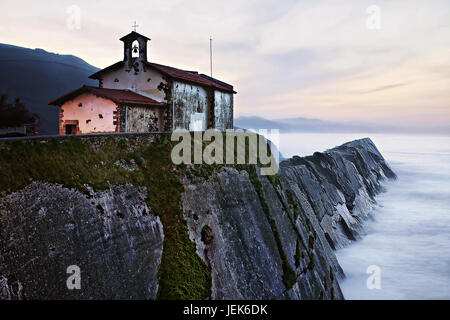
(317,204)
(259,237)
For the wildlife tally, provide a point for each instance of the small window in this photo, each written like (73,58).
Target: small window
(100,116)
(116,80)
(80,104)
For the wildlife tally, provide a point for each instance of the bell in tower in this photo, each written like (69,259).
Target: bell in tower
(135,48)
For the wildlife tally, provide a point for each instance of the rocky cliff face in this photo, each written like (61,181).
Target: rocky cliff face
(317,204)
(228,234)
(111,235)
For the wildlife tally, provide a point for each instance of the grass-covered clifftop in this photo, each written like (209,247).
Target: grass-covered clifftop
(100,161)
(141,160)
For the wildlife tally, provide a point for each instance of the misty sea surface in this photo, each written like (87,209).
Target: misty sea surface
(408,237)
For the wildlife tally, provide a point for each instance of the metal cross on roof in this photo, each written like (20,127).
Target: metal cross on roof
(135,26)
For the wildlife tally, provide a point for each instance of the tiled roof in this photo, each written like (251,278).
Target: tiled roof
(189,76)
(179,74)
(118,96)
(112,67)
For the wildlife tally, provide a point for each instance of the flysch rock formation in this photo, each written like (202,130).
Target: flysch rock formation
(318,205)
(263,237)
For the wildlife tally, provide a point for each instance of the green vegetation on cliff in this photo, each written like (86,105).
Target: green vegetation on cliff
(100,161)
(141,160)
(289,275)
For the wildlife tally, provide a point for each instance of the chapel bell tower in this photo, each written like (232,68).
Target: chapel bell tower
(135,47)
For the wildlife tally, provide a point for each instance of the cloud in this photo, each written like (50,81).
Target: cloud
(382,88)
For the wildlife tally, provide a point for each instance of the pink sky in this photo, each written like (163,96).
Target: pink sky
(315,59)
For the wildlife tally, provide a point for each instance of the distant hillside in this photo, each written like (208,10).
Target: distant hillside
(37,76)
(306,125)
(320,126)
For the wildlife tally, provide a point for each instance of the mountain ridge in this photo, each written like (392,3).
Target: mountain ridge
(36,76)
(312,125)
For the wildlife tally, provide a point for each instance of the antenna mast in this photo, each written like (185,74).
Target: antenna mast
(210,54)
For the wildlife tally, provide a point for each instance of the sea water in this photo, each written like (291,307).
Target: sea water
(408,238)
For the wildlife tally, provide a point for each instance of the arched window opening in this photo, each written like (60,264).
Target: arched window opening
(135,49)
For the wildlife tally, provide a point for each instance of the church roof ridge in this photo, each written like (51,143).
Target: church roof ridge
(176,73)
(133,34)
(120,96)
